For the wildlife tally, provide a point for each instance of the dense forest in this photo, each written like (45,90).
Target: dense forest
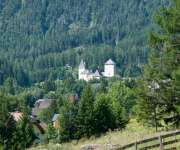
(38,38)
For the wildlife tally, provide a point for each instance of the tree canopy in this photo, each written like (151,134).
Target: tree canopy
(39,37)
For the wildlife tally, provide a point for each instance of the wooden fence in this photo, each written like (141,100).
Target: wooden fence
(160,141)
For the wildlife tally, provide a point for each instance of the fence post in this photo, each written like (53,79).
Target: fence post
(175,136)
(136,145)
(161,143)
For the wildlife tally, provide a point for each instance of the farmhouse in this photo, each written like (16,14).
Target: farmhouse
(40,105)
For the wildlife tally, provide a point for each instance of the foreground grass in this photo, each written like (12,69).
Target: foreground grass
(133,132)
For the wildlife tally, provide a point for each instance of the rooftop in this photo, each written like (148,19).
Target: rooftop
(110,62)
(82,64)
(17,115)
(43,103)
(97,74)
(40,105)
(55,117)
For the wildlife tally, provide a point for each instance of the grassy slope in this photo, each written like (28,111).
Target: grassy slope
(133,132)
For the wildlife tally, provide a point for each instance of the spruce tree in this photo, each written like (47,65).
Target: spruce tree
(9,86)
(7,124)
(168,41)
(25,134)
(122,101)
(161,77)
(149,102)
(68,122)
(51,133)
(103,114)
(85,113)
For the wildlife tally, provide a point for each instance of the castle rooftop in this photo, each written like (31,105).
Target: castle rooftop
(110,62)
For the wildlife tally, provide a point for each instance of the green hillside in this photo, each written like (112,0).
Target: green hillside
(39,37)
(134,131)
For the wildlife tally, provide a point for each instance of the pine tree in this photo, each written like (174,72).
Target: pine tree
(7,124)
(169,42)
(24,132)
(160,82)
(122,101)
(148,104)
(103,114)
(68,122)
(9,86)
(51,133)
(85,113)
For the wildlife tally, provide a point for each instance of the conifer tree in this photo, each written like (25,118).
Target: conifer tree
(68,122)
(51,133)
(168,40)
(122,101)
(161,79)
(24,132)
(103,114)
(148,104)
(7,124)
(85,113)
(9,86)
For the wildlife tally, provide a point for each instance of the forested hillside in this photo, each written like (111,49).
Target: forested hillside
(39,37)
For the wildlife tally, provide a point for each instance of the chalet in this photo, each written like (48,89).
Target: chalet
(40,105)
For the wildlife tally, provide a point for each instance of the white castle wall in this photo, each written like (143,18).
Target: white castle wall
(81,74)
(84,74)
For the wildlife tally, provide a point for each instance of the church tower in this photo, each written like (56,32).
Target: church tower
(82,69)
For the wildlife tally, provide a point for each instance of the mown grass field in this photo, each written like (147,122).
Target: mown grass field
(133,132)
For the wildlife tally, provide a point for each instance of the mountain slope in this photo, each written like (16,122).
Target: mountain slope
(38,37)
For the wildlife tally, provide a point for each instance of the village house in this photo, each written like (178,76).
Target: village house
(55,121)
(40,105)
(87,75)
(17,116)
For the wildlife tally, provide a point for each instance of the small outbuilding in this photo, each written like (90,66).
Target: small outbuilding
(55,121)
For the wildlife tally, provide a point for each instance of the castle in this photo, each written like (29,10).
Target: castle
(87,75)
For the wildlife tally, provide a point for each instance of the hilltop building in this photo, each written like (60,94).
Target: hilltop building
(109,69)
(87,75)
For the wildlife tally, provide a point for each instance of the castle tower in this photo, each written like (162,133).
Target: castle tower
(109,68)
(82,69)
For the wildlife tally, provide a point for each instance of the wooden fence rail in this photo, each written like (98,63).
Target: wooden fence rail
(157,141)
